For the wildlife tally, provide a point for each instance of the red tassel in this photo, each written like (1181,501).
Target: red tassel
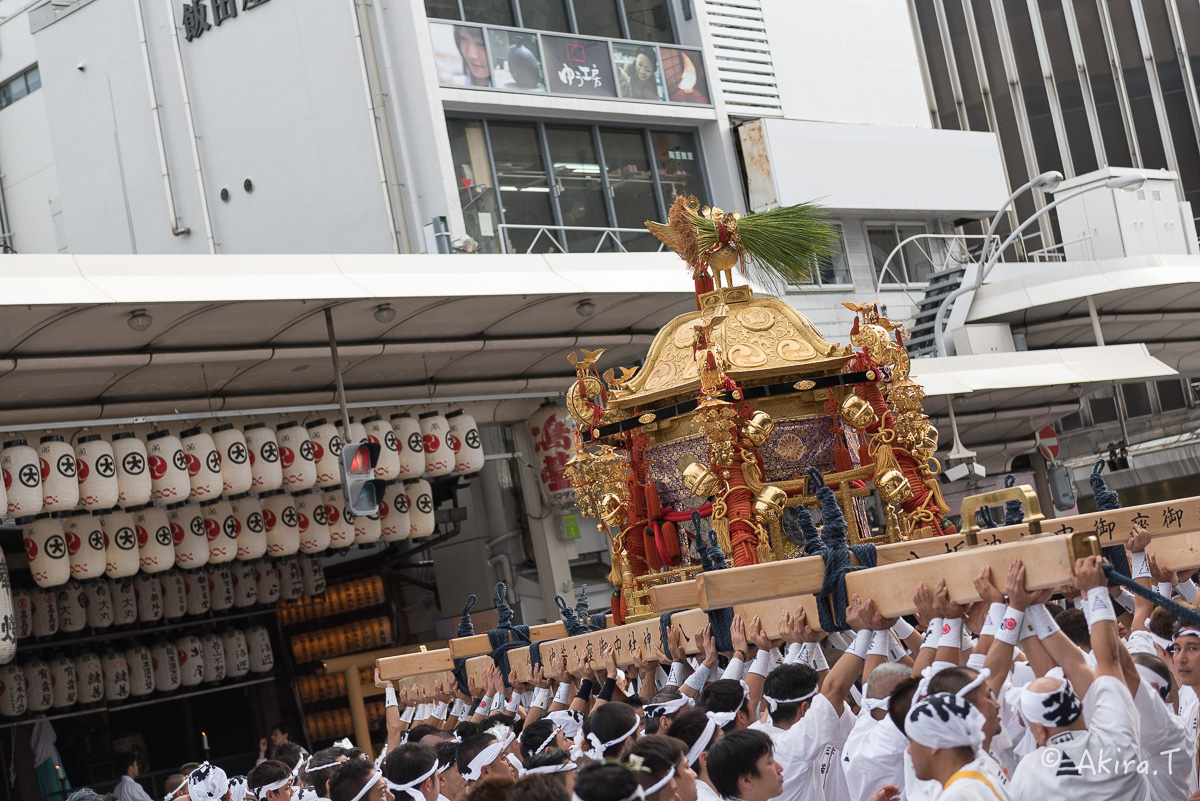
(653,507)
(668,543)
(841,456)
(652,557)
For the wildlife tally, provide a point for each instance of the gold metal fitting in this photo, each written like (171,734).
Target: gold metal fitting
(612,510)
(699,479)
(770,503)
(857,412)
(893,487)
(758,428)
(723,258)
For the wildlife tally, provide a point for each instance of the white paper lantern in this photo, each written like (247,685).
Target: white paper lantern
(550,428)
(22,478)
(313,574)
(311,521)
(393,512)
(156,545)
(296,457)
(327,450)
(121,555)
(267,581)
(203,464)
(266,472)
(63,685)
(220,587)
(410,447)
(140,665)
(168,467)
(89,677)
(251,536)
(96,471)
(236,476)
(124,600)
(237,653)
(8,617)
(23,612)
(420,507)
(379,431)
(167,675)
(46,547)
(367,529)
(98,603)
(174,594)
(147,591)
(465,442)
(85,545)
(221,527)
(12,691)
(341,529)
(190,652)
(134,486)
(60,487)
(258,643)
(116,675)
(280,523)
(44,616)
(439,456)
(72,614)
(245,584)
(195,589)
(291,578)
(39,694)
(214,657)
(189,535)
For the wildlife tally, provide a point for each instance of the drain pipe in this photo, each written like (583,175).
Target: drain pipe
(191,124)
(158,129)
(376,140)
(398,122)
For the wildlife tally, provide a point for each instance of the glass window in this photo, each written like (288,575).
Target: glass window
(524,191)
(545,15)
(5,94)
(1072,422)
(911,264)
(580,187)
(33,79)
(678,160)
(1137,400)
(649,21)
(442,9)
(881,239)
(631,179)
(492,12)
(1171,395)
(1104,410)
(17,87)
(833,268)
(598,18)
(473,177)
(917,263)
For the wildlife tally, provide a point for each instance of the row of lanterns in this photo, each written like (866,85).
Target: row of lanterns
(117,675)
(174,594)
(129,472)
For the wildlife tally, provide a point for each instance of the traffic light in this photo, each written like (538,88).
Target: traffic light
(363,490)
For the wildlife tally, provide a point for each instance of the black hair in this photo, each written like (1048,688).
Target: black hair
(283,729)
(123,762)
(736,755)
(789,681)
(534,735)
(349,779)
(539,788)
(319,779)
(417,732)
(407,762)
(447,753)
(951,680)
(469,748)
(635,701)
(466,728)
(289,754)
(265,773)
(1074,625)
(666,695)
(901,700)
(660,754)
(688,728)
(498,719)
(551,756)
(725,695)
(604,781)
(608,723)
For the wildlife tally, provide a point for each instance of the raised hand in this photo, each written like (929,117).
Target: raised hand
(986,589)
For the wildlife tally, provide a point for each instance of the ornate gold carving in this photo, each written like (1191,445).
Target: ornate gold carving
(577,398)
(747,354)
(756,318)
(805,384)
(794,350)
(789,447)
(648,417)
(660,375)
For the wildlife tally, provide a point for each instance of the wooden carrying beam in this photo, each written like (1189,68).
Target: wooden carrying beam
(428,681)
(721,588)
(478,644)
(394,668)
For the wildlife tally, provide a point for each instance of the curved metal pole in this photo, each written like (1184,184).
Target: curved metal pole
(1039,181)
(887,263)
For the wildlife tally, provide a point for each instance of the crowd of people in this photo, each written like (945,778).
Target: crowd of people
(1087,692)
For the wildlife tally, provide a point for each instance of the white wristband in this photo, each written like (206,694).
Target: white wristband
(1010,626)
(460,708)
(442,711)
(407,716)
(1165,589)
(675,677)
(422,711)
(933,633)
(1188,590)
(389,697)
(976,661)
(862,641)
(1041,620)
(793,652)
(514,703)
(819,662)
(991,623)
(563,693)
(761,665)
(951,633)
(903,629)
(498,703)
(1139,565)
(541,698)
(1125,601)
(698,678)
(1080,603)
(879,643)
(896,650)
(733,670)
(485,705)
(1027,628)
(1100,606)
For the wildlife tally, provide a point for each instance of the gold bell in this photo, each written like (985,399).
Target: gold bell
(612,511)
(857,412)
(893,487)
(699,479)
(770,502)
(758,428)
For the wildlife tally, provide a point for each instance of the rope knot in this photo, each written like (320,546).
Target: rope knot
(836,552)
(1014,511)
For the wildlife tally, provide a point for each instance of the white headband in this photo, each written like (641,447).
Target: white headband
(943,720)
(310,768)
(411,787)
(260,792)
(1150,677)
(661,783)
(598,748)
(375,777)
(238,788)
(553,732)
(1188,633)
(1055,709)
(568,720)
(484,758)
(702,742)
(668,707)
(871,704)
(207,783)
(565,767)
(722,719)
(171,794)
(775,703)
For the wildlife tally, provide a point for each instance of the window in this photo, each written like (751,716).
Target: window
(566,187)
(1104,410)
(833,268)
(18,86)
(1072,422)
(911,264)
(1171,395)
(1137,400)
(640,20)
